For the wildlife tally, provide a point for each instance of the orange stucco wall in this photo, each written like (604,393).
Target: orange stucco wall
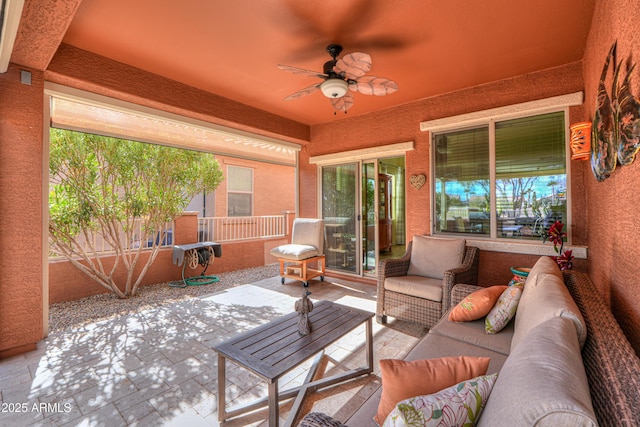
(612,205)
(402,124)
(21,211)
(604,213)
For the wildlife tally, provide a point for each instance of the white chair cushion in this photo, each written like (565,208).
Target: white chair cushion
(308,231)
(294,252)
(432,256)
(416,286)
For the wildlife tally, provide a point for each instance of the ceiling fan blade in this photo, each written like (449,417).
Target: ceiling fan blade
(296,70)
(353,65)
(344,103)
(303,92)
(373,85)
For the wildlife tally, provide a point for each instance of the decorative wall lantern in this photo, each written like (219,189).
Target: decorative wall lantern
(581,141)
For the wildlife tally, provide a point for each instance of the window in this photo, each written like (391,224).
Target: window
(239,191)
(504,179)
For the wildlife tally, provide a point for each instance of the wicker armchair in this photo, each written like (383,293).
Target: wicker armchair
(412,308)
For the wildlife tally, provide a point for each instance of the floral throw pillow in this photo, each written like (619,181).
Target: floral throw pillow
(459,405)
(476,305)
(504,310)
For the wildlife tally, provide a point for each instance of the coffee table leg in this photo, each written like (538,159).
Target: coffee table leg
(370,345)
(274,408)
(222,405)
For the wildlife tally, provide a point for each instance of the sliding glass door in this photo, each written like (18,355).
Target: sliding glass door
(362,204)
(340,213)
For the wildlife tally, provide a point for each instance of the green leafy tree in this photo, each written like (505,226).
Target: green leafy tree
(123,193)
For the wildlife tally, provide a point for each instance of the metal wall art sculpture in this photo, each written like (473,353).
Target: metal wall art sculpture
(603,153)
(628,120)
(616,123)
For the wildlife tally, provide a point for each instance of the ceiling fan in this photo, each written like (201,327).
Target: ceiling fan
(341,75)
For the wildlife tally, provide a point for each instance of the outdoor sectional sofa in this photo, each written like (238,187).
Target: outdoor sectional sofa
(562,361)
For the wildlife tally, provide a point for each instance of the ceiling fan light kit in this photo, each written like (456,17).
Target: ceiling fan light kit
(334,88)
(343,74)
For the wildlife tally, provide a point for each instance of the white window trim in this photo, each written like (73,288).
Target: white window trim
(530,108)
(390,150)
(486,117)
(9,27)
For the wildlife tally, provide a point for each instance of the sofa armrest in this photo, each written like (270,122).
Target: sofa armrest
(466,273)
(318,419)
(610,361)
(460,292)
(391,268)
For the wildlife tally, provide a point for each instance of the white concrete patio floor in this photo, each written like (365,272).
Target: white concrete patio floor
(157,368)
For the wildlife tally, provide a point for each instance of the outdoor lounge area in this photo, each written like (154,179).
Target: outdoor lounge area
(490,124)
(157,366)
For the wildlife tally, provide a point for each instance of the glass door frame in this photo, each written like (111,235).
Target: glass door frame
(342,233)
(359,251)
(360,156)
(364,177)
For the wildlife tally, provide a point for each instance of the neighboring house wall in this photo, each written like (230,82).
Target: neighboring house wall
(273,187)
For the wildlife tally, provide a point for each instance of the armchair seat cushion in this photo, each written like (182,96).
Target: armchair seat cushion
(415,286)
(294,252)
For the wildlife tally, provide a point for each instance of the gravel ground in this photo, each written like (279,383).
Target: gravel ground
(65,316)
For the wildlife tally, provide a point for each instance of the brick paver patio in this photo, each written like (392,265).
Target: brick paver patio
(156,367)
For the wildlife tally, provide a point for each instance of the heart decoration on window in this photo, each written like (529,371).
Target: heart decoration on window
(417,181)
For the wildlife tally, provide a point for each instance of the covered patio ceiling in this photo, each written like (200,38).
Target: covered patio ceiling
(233,48)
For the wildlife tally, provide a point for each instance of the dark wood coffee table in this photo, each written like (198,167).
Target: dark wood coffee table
(275,348)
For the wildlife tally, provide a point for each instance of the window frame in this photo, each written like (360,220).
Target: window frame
(493,241)
(251,192)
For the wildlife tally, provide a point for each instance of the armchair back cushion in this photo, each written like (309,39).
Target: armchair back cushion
(432,256)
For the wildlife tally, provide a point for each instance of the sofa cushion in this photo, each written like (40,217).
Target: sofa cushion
(435,346)
(504,309)
(474,333)
(432,256)
(402,380)
(546,265)
(430,347)
(417,286)
(543,382)
(460,404)
(545,296)
(476,305)
(294,252)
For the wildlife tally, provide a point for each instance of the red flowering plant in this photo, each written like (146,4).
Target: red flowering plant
(557,237)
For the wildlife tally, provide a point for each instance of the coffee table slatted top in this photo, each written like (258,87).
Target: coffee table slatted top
(274,348)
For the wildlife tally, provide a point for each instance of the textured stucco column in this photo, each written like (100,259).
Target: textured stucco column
(186,229)
(21,212)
